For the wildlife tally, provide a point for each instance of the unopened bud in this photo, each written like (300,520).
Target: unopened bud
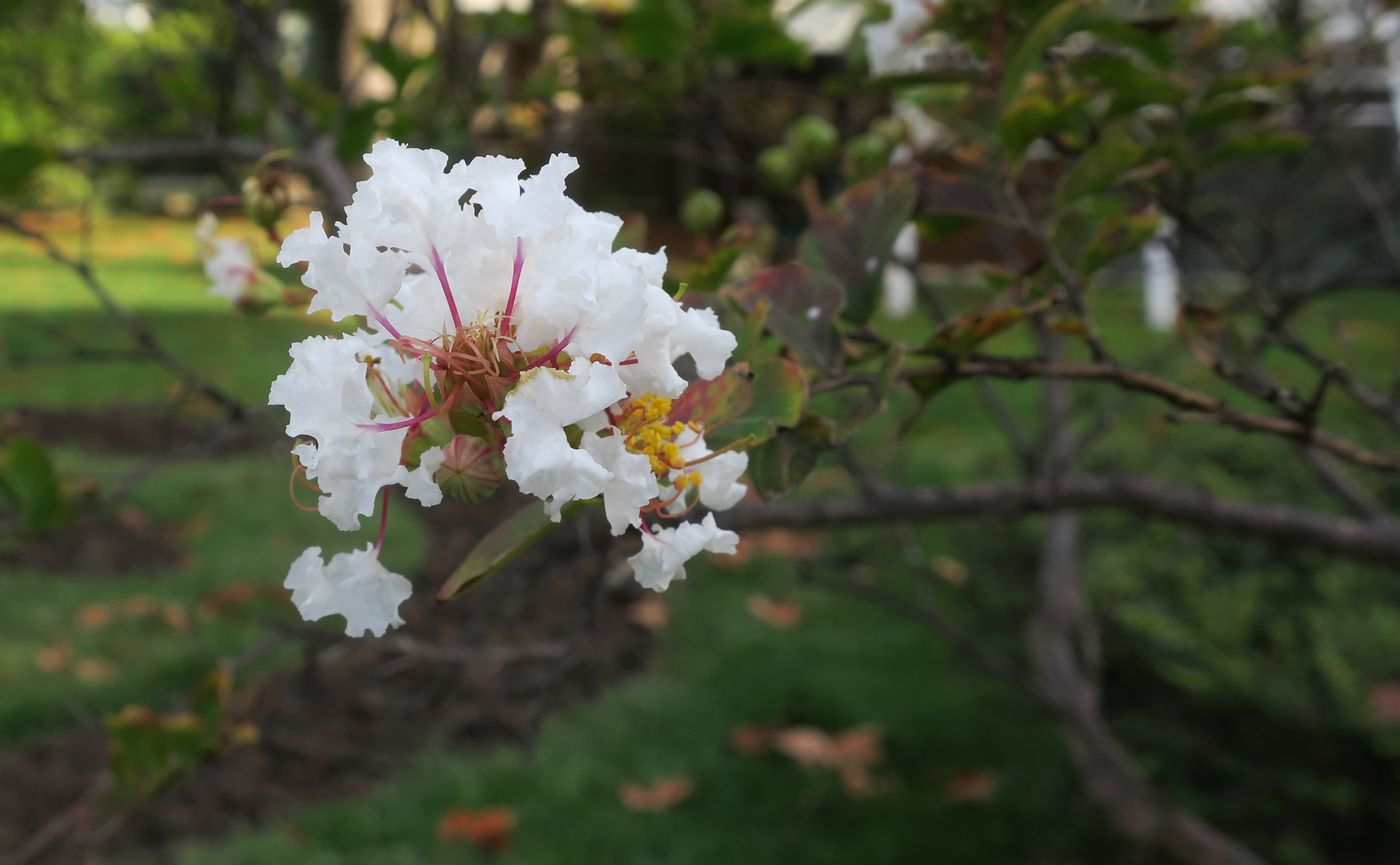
(265,197)
(702,211)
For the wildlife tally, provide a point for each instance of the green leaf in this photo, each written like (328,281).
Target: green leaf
(801,304)
(785,460)
(853,239)
(717,401)
(19,163)
(502,544)
(1100,169)
(960,336)
(778,396)
(1116,237)
(1269,142)
(1061,20)
(28,480)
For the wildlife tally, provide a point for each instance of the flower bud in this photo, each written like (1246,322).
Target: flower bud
(702,211)
(866,156)
(265,197)
(471,469)
(779,167)
(813,141)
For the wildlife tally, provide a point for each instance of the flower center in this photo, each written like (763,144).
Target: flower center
(644,423)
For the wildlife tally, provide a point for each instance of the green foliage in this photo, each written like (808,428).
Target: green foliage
(29,484)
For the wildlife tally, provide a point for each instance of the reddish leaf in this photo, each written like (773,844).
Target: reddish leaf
(489,829)
(1385,701)
(802,304)
(717,401)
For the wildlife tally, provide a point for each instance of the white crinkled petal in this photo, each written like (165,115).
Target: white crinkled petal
(665,552)
(631,486)
(354,585)
(538,455)
(345,284)
(720,489)
(327,399)
(419,483)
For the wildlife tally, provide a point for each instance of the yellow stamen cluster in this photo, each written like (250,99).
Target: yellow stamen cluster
(644,422)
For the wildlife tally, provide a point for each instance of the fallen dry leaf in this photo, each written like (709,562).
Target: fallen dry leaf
(650,613)
(94,671)
(663,794)
(133,518)
(976,786)
(779,614)
(94,616)
(488,829)
(140,605)
(1385,701)
(175,617)
(950,569)
(752,739)
(54,658)
(851,754)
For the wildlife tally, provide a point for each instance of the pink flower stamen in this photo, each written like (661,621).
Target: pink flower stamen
(383,521)
(401,424)
(514,282)
(384,323)
(552,355)
(447,287)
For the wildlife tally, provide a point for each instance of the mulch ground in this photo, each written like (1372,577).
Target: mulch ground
(139,430)
(545,632)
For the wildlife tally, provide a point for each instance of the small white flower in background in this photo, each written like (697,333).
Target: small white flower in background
(354,585)
(499,312)
(228,263)
(892,46)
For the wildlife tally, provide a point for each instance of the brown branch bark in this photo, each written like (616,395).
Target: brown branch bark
(1366,540)
(1203,405)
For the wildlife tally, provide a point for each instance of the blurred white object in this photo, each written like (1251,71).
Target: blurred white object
(895,46)
(900,286)
(1161,285)
(823,26)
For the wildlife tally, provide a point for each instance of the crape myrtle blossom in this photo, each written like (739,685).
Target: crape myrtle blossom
(228,263)
(503,338)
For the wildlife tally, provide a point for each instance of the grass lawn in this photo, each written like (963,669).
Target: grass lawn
(719,666)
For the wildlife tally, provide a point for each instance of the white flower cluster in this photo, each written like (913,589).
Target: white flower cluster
(504,300)
(228,263)
(893,46)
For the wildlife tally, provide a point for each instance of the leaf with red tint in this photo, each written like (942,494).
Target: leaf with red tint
(802,304)
(489,829)
(717,401)
(663,794)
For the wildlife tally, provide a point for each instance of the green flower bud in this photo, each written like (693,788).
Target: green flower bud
(779,166)
(813,141)
(866,156)
(702,211)
(265,198)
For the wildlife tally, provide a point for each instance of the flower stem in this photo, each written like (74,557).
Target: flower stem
(383,520)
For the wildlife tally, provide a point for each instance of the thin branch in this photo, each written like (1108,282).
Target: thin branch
(142,335)
(1202,405)
(1367,540)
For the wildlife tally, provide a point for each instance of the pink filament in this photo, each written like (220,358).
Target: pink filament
(401,424)
(383,521)
(553,353)
(447,288)
(514,282)
(384,323)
